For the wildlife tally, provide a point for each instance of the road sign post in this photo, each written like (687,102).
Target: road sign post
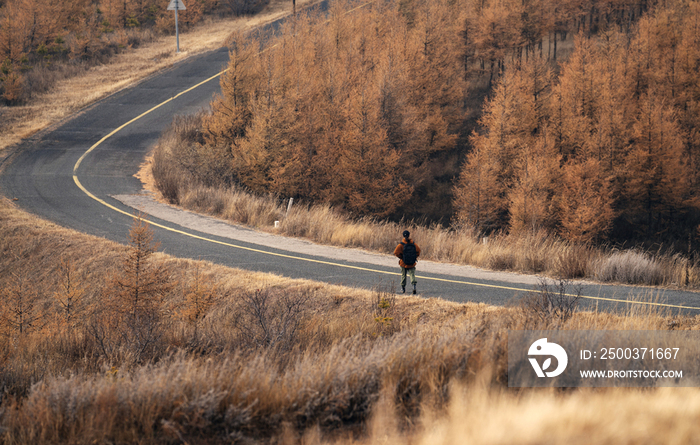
(176,5)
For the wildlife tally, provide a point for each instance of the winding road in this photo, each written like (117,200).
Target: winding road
(81,176)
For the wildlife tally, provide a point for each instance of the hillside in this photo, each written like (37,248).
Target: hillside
(597,146)
(212,354)
(576,169)
(42,42)
(54,86)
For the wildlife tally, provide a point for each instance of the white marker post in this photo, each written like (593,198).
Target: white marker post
(174,6)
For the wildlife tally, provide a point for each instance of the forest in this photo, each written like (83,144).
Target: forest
(579,118)
(608,144)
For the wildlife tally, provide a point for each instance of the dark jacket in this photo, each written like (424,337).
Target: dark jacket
(399,253)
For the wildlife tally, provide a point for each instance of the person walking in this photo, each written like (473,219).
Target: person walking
(407,251)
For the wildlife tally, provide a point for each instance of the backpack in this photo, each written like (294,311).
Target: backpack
(409,253)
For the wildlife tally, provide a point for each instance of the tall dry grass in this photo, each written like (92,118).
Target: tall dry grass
(406,379)
(481,415)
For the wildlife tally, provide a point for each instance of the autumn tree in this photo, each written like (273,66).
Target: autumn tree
(479,197)
(618,131)
(36,36)
(201,295)
(231,113)
(133,314)
(13,33)
(505,134)
(657,176)
(368,173)
(70,295)
(21,311)
(532,196)
(513,120)
(586,203)
(497,33)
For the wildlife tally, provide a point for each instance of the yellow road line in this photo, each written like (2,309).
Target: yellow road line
(113,132)
(281,255)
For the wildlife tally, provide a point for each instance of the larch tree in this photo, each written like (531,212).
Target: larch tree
(479,200)
(20,311)
(368,171)
(70,295)
(200,297)
(687,97)
(586,201)
(498,31)
(231,113)
(657,174)
(342,111)
(508,128)
(134,312)
(532,198)
(435,85)
(613,105)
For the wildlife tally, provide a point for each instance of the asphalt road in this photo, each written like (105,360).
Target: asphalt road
(42,175)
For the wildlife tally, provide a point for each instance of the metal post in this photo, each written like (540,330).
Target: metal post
(177,33)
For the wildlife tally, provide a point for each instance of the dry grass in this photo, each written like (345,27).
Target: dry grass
(121,71)
(480,415)
(630,267)
(358,365)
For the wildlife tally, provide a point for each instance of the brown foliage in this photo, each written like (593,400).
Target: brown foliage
(132,316)
(21,311)
(41,36)
(586,202)
(350,349)
(621,141)
(478,197)
(70,295)
(200,296)
(271,319)
(12,87)
(358,128)
(365,110)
